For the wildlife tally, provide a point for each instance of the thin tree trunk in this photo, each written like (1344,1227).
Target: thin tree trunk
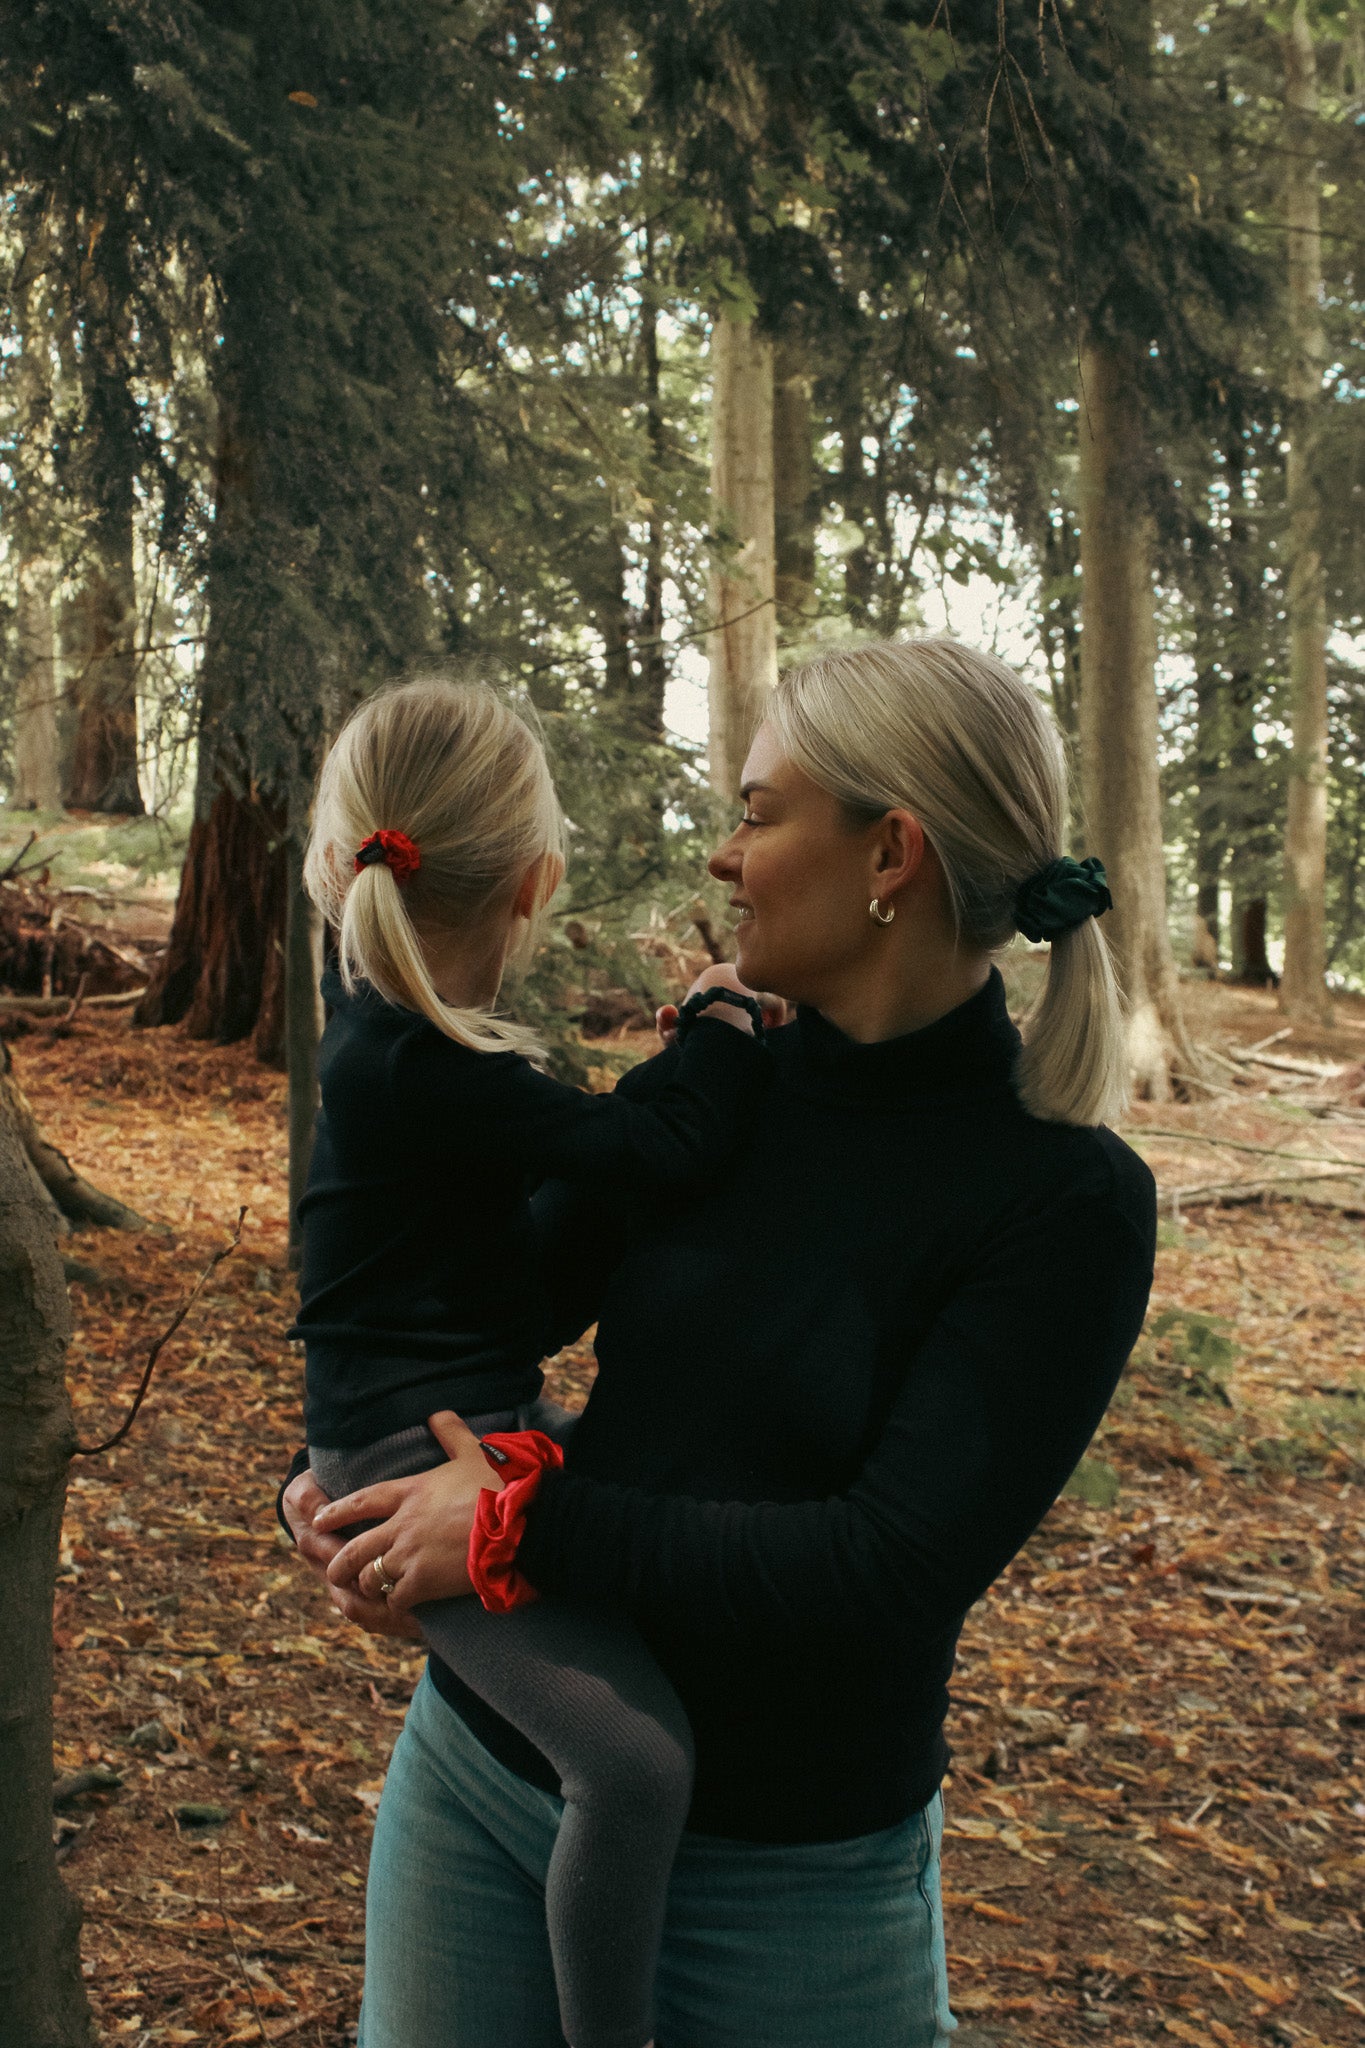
(42,1993)
(1118,707)
(37,773)
(1303,988)
(1210,839)
(103,771)
(853,489)
(653,677)
(743,645)
(302,1030)
(37,777)
(793,488)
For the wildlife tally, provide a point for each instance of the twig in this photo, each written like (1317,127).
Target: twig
(1263,1044)
(227,1929)
(1241,1145)
(48,1005)
(1337,1445)
(76,1000)
(225,1252)
(8,874)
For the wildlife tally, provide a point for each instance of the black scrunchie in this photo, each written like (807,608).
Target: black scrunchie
(703,999)
(1060,897)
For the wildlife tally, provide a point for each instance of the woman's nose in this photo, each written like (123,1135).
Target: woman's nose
(723,865)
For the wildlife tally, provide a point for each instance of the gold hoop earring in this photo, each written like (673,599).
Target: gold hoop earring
(877,914)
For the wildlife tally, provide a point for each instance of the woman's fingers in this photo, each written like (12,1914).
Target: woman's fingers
(666,1022)
(378,1617)
(369,1504)
(367,1548)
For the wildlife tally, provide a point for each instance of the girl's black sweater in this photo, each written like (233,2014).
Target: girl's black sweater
(837,1391)
(418,1288)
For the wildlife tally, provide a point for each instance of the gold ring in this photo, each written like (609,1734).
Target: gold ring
(386,1585)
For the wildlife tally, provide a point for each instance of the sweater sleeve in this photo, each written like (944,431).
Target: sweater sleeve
(500,1106)
(997,1405)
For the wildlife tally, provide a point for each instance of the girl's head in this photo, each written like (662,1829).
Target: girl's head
(926,776)
(453,768)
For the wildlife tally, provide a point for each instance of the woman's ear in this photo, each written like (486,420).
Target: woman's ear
(898,853)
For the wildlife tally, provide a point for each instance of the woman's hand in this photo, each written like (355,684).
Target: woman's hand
(722,975)
(423,1532)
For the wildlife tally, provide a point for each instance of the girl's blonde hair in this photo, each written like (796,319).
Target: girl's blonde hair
(959,739)
(455,768)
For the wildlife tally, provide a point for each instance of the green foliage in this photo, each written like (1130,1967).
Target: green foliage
(1194,1354)
(1094,1482)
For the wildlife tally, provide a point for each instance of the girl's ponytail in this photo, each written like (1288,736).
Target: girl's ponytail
(452,768)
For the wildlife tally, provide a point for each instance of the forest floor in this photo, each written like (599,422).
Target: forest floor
(1156,1816)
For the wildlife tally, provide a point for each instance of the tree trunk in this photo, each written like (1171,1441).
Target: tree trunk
(1210,841)
(853,489)
(1303,988)
(37,778)
(743,645)
(653,676)
(793,489)
(302,1030)
(1250,961)
(1119,767)
(103,771)
(42,1993)
(223,969)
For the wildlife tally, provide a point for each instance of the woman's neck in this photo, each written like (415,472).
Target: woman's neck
(890,1003)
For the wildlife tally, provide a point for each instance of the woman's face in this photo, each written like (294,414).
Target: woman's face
(801,878)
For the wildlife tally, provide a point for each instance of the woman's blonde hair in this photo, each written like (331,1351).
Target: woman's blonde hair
(959,739)
(452,766)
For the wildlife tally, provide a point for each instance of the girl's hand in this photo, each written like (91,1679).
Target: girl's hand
(303,1500)
(423,1532)
(722,975)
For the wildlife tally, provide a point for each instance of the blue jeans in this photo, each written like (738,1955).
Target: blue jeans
(819,1945)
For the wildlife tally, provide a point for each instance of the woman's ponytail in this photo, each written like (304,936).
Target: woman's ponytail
(955,736)
(1074,1066)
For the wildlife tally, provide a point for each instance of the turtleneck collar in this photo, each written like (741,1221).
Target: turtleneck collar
(975,1045)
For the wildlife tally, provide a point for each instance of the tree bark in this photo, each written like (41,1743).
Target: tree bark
(743,644)
(302,1030)
(1303,987)
(42,1993)
(37,779)
(653,676)
(103,771)
(66,1197)
(1210,838)
(223,969)
(1118,710)
(793,488)
(37,776)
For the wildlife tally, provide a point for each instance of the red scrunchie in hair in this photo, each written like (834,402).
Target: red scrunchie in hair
(392,850)
(521,1458)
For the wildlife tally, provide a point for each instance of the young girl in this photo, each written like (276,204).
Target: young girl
(437,838)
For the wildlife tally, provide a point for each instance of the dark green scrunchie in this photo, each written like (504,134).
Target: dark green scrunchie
(1061,896)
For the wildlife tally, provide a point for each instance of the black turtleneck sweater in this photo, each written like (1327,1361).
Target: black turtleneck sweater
(837,1391)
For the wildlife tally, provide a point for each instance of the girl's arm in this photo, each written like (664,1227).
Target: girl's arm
(686,1122)
(997,1406)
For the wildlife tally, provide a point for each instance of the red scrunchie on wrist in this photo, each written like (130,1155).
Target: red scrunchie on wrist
(521,1457)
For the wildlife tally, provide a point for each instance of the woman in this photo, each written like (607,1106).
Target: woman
(836,1392)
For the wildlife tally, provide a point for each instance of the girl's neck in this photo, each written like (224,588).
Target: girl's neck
(466,968)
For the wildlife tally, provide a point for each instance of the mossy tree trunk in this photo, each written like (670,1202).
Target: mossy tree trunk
(743,645)
(1303,987)
(42,1993)
(1118,709)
